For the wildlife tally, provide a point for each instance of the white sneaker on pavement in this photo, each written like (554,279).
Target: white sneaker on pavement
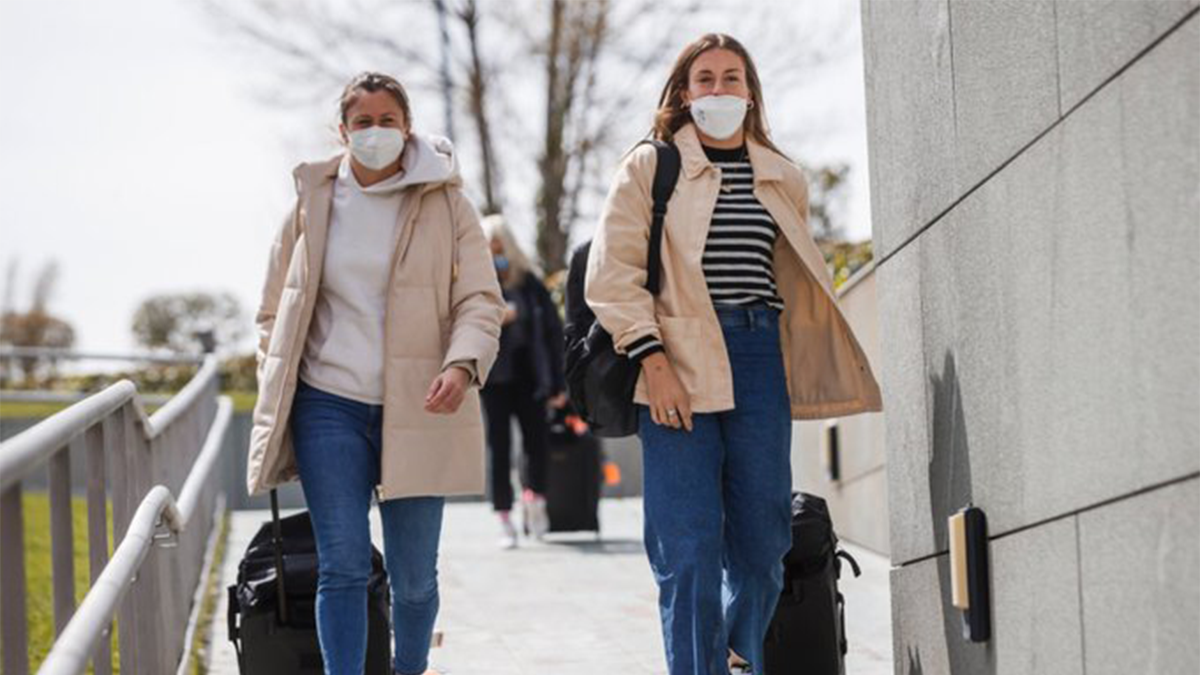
(537,517)
(508,540)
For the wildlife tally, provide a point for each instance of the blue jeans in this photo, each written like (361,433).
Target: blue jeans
(338,443)
(718,507)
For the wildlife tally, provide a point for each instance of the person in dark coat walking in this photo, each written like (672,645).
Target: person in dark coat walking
(526,378)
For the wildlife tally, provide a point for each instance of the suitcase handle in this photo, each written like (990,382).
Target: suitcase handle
(277,542)
(850,559)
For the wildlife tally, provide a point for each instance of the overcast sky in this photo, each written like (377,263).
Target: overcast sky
(133,152)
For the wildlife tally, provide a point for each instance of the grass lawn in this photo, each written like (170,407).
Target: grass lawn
(40,599)
(17,409)
(243,401)
(202,641)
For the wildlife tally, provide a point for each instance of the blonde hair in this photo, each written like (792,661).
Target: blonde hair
(495,227)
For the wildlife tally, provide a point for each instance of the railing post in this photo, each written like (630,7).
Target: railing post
(147,591)
(98,444)
(119,448)
(14,632)
(62,542)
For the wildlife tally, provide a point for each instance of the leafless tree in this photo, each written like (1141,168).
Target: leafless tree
(594,67)
(36,326)
(477,85)
(315,47)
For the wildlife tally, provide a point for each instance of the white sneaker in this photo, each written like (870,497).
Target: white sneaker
(540,518)
(509,539)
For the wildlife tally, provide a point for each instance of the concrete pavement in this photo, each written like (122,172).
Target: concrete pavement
(572,605)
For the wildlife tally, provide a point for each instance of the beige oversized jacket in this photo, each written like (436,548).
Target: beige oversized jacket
(444,306)
(827,372)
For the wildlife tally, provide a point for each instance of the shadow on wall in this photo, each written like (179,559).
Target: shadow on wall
(950,490)
(914,662)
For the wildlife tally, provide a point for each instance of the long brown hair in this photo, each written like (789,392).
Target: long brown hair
(672,114)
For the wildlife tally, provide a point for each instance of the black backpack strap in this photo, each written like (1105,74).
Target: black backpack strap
(666,174)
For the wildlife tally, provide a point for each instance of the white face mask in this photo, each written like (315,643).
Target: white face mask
(719,117)
(376,147)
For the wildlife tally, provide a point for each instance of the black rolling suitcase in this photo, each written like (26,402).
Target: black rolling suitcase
(807,635)
(572,475)
(272,619)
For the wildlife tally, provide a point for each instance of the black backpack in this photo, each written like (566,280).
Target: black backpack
(808,632)
(600,382)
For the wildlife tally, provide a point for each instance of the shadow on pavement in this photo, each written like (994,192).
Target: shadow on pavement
(614,546)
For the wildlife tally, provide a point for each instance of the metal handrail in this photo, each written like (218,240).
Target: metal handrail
(22,454)
(70,653)
(145,590)
(73,647)
(19,456)
(163,417)
(189,494)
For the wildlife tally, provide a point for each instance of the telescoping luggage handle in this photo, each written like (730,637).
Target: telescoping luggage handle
(277,543)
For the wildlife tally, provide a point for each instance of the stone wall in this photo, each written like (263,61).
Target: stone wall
(1035,177)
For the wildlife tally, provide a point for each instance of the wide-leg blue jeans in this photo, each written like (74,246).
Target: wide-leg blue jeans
(718,507)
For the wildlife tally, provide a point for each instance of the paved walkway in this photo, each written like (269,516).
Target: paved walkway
(573,605)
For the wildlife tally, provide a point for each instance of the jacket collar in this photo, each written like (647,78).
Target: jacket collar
(314,185)
(766,162)
(310,175)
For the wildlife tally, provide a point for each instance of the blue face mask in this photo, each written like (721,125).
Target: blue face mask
(501,262)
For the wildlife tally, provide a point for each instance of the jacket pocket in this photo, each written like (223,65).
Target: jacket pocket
(408,379)
(681,337)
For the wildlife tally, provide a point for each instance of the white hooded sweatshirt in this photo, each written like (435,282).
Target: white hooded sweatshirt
(343,352)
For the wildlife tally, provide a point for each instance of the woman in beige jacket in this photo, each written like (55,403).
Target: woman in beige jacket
(744,336)
(380,318)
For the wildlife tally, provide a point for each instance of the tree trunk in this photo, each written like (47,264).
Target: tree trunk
(478,109)
(439,6)
(551,242)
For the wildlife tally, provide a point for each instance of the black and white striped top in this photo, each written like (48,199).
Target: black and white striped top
(738,257)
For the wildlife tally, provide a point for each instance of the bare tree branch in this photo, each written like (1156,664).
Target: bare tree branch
(592,68)
(477,94)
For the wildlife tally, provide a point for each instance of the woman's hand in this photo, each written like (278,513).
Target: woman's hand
(510,314)
(447,391)
(558,401)
(669,401)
